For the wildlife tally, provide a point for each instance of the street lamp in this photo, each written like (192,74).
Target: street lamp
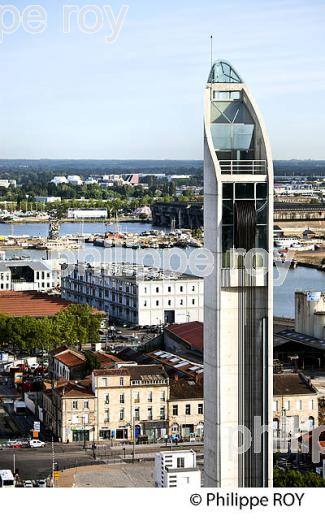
(132,427)
(283,424)
(84,437)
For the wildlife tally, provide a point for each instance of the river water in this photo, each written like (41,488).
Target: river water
(67,228)
(300,278)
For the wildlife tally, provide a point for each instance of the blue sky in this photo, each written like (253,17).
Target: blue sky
(75,96)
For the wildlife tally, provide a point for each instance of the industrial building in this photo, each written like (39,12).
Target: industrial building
(87,213)
(188,215)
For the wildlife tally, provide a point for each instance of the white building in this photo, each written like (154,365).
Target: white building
(29,275)
(136,294)
(47,200)
(87,213)
(238,217)
(4,183)
(91,180)
(75,180)
(176,469)
(59,179)
(106,181)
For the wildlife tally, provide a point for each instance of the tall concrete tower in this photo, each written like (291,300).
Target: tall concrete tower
(238,217)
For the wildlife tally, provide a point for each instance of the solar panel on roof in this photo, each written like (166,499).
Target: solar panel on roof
(181,364)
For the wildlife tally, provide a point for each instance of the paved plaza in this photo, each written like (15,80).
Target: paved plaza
(110,475)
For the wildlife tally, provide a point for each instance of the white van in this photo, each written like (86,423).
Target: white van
(7,479)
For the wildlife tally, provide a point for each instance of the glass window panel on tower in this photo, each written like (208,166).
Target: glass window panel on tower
(227,212)
(228,136)
(227,244)
(227,190)
(261,190)
(223,72)
(261,237)
(261,211)
(244,190)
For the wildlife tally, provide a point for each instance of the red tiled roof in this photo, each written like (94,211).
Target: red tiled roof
(74,390)
(186,389)
(71,359)
(190,333)
(107,359)
(30,303)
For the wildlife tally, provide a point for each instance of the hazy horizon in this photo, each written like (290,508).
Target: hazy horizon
(73,96)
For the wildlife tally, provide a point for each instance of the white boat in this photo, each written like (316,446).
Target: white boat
(286,242)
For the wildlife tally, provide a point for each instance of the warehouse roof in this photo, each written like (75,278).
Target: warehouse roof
(177,363)
(291,384)
(30,303)
(36,265)
(189,333)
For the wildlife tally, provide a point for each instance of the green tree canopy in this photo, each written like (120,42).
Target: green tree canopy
(294,478)
(73,326)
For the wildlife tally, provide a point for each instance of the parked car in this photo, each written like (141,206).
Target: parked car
(28,484)
(15,444)
(36,443)
(41,483)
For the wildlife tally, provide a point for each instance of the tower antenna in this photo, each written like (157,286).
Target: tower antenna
(211,49)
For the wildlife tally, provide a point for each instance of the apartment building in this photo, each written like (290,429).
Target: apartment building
(295,405)
(131,398)
(186,409)
(69,411)
(123,402)
(66,363)
(71,364)
(135,294)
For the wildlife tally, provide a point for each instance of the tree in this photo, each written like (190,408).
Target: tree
(73,326)
(294,478)
(92,361)
(77,324)
(3,329)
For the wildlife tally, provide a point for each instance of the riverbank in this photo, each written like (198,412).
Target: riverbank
(310,259)
(39,220)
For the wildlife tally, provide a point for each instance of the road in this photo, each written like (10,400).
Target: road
(37,463)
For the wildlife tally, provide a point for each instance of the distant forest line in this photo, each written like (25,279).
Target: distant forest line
(15,168)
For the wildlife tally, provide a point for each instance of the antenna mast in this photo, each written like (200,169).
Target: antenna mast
(211,49)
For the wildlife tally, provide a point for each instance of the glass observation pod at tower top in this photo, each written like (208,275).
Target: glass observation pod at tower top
(238,147)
